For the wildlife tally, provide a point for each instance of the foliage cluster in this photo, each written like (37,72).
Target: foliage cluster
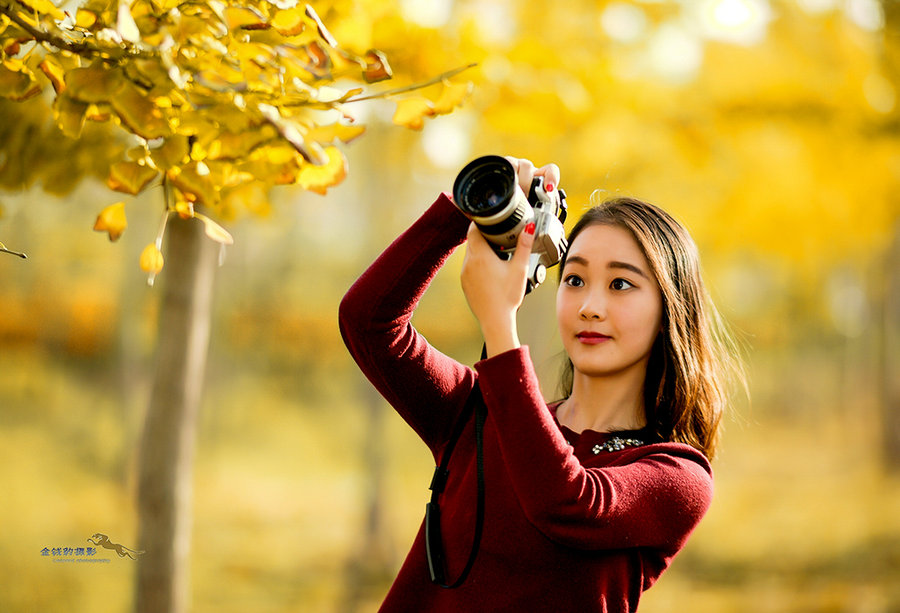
(222,100)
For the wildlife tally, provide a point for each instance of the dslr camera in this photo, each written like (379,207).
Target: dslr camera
(488,193)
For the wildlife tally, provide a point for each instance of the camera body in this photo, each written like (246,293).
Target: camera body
(487,192)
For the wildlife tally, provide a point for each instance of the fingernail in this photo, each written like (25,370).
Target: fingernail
(530,228)
(549,188)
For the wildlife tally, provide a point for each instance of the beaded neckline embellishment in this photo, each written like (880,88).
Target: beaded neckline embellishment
(617,444)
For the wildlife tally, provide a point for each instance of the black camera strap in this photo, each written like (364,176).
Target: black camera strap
(434,546)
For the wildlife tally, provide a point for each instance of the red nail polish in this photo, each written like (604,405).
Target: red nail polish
(530,227)
(549,188)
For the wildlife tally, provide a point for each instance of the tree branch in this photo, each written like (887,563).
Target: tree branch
(80,48)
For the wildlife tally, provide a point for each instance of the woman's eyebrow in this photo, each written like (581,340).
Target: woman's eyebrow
(626,266)
(576,259)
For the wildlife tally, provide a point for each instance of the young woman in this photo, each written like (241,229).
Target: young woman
(586,500)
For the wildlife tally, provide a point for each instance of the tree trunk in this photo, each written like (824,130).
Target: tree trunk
(890,357)
(371,565)
(890,338)
(165,463)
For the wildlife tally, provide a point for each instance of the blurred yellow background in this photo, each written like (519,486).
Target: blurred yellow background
(770,128)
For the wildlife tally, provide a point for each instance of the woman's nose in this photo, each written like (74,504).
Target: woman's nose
(593,308)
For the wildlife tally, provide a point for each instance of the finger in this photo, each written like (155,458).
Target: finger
(475,239)
(550,172)
(524,172)
(524,243)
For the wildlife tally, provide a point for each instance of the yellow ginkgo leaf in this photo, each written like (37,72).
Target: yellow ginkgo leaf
(140,113)
(289,22)
(246,17)
(85,18)
(171,153)
(126,25)
(70,115)
(340,131)
(129,177)
(112,220)
(411,113)
(184,207)
(276,154)
(151,259)
(45,6)
(17,82)
(94,83)
(214,230)
(311,151)
(451,97)
(319,178)
(54,72)
(377,67)
(194,185)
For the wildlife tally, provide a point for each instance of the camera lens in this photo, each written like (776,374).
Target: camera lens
(485,186)
(487,193)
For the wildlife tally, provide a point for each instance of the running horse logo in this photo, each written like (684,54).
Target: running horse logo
(103,541)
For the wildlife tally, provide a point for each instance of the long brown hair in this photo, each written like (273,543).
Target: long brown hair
(693,356)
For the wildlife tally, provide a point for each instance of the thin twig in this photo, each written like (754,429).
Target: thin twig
(414,86)
(5,250)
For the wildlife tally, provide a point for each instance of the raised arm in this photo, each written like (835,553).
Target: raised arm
(425,386)
(654,501)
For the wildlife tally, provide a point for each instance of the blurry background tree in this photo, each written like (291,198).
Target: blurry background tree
(217,103)
(769,127)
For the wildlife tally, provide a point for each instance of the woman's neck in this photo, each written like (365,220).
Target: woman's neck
(604,404)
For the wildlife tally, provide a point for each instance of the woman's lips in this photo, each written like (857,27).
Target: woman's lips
(592,338)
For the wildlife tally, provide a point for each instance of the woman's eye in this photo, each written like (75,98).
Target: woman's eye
(574,281)
(621,284)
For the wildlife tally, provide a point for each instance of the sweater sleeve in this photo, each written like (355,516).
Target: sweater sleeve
(654,501)
(426,387)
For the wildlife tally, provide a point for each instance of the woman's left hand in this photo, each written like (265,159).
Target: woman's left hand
(495,288)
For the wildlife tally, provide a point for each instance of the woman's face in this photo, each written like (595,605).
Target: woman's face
(608,306)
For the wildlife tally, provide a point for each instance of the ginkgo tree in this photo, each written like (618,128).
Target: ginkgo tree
(217,101)
(221,98)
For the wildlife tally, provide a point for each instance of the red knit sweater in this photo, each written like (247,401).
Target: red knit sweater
(565,529)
